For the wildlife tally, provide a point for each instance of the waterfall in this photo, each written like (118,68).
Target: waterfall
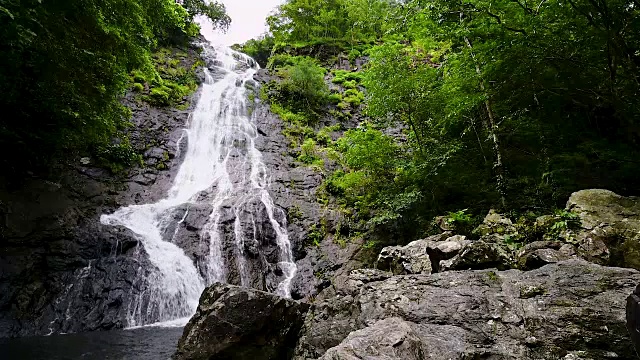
(222,171)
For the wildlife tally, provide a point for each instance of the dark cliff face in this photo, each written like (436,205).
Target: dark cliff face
(61,270)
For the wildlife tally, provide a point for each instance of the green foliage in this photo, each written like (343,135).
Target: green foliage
(323,137)
(311,22)
(455,65)
(353,97)
(294,213)
(462,222)
(65,65)
(373,179)
(118,156)
(309,154)
(302,88)
(335,98)
(213,10)
(298,98)
(159,96)
(171,81)
(316,234)
(564,221)
(342,76)
(354,54)
(350,84)
(301,93)
(259,49)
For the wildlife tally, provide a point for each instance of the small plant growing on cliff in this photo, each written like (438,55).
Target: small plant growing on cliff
(316,234)
(294,213)
(369,244)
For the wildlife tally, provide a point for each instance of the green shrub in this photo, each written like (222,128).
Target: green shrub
(353,97)
(354,54)
(259,49)
(296,134)
(138,76)
(351,84)
(316,234)
(159,96)
(281,60)
(335,98)
(340,76)
(308,153)
(323,137)
(462,222)
(118,156)
(302,87)
(137,87)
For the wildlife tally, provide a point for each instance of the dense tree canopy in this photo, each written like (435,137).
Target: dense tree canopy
(65,64)
(301,22)
(510,103)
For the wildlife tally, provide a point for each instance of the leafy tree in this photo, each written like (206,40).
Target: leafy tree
(301,88)
(65,64)
(308,22)
(259,49)
(508,104)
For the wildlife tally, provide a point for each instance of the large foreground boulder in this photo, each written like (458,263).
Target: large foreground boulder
(396,339)
(235,323)
(610,233)
(568,310)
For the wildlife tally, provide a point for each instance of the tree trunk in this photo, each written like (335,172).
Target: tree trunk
(493,129)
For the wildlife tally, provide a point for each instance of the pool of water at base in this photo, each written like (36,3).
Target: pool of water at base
(138,344)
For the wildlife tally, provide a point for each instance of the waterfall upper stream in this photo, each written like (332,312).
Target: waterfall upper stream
(218,222)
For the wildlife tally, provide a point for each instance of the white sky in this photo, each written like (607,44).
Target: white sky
(248,21)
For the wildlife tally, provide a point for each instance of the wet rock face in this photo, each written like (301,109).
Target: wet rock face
(293,189)
(569,308)
(76,269)
(235,323)
(61,270)
(633,317)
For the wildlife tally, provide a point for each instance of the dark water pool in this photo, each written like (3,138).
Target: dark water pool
(144,344)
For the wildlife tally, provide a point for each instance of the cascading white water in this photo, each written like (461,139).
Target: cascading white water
(213,169)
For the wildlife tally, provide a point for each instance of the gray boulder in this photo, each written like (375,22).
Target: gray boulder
(495,224)
(410,259)
(421,256)
(540,253)
(596,207)
(396,339)
(572,309)
(610,227)
(480,255)
(235,323)
(389,339)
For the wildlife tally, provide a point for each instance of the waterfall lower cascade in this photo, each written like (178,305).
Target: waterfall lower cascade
(222,188)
